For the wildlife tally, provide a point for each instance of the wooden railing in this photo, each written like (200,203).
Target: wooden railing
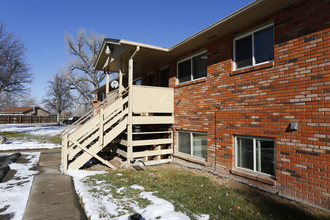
(85,138)
(111,97)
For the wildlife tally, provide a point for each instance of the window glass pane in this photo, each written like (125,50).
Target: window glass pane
(150,80)
(184,142)
(184,71)
(199,145)
(245,153)
(200,66)
(265,156)
(137,82)
(264,45)
(101,97)
(243,52)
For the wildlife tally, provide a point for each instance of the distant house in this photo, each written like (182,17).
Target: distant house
(36,111)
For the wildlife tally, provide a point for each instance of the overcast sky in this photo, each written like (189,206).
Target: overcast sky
(41,25)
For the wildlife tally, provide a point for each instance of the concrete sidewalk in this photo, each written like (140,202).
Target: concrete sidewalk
(52,195)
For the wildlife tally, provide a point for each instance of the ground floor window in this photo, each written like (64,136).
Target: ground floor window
(256,154)
(192,143)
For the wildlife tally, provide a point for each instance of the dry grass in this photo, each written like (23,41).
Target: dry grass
(198,192)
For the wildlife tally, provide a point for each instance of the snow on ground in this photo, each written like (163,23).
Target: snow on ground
(32,129)
(24,145)
(15,192)
(104,206)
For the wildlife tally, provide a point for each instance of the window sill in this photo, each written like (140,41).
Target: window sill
(254,176)
(190,158)
(252,68)
(191,82)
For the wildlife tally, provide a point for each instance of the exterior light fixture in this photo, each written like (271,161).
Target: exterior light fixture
(294,126)
(107,51)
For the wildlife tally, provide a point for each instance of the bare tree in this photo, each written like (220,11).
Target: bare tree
(14,71)
(80,72)
(58,95)
(16,100)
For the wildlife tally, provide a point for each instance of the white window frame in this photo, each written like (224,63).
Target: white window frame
(254,153)
(253,58)
(191,143)
(191,66)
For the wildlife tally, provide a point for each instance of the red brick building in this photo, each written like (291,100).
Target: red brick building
(251,96)
(258,103)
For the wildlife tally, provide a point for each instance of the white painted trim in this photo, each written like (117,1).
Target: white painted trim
(148,46)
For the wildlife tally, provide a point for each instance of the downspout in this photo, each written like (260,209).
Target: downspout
(121,87)
(217,108)
(130,107)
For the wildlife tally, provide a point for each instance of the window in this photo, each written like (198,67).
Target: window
(193,143)
(254,48)
(256,154)
(102,96)
(150,79)
(163,77)
(192,68)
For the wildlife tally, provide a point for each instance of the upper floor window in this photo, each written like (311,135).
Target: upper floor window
(192,68)
(254,48)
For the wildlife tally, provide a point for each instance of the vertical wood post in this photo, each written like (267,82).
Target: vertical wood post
(107,89)
(65,146)
(130,107)
(130,111)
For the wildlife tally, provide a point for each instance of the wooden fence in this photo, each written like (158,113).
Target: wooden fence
(26,119)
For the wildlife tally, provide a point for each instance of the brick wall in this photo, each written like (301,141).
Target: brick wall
(262,101)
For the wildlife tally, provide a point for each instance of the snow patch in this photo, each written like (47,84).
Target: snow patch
(22,145)
(15,192)
(137,187)
(104,206)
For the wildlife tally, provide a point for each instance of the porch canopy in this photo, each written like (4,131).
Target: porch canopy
(122,50)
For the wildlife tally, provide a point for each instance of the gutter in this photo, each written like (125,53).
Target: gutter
(231,16)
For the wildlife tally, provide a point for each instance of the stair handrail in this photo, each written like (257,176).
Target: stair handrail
(107,101)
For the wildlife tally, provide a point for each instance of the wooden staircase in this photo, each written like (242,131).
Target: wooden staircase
(88,136)
(149,116)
